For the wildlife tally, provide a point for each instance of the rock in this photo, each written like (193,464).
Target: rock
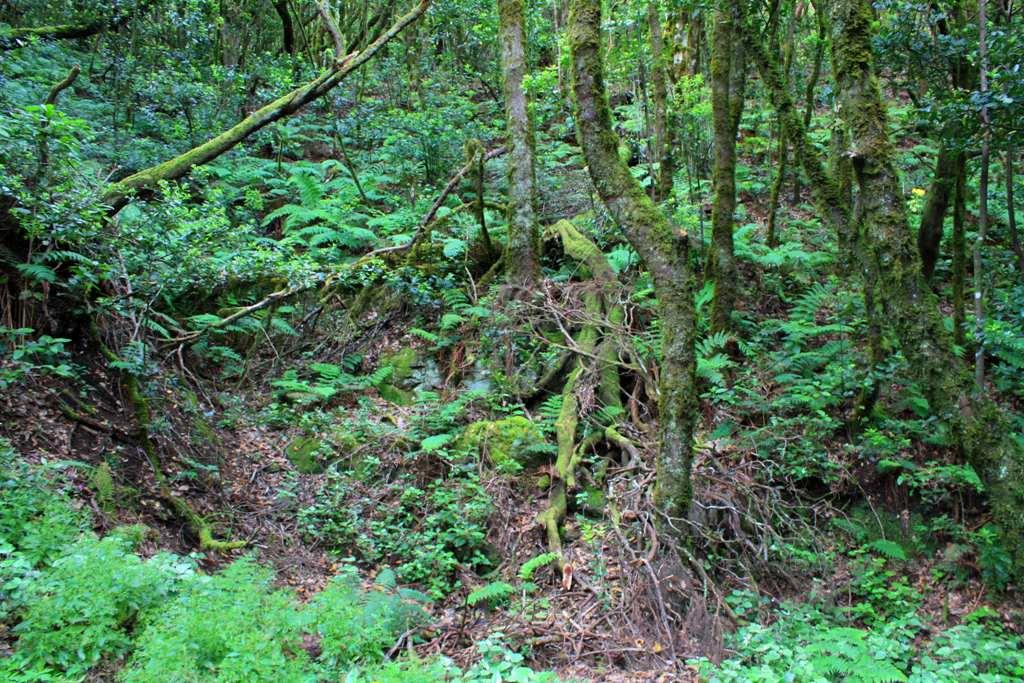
(508,443)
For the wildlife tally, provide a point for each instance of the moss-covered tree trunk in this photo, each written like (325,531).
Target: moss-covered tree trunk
(893,280)
(890,264)
(929,233)
(830,200)
(728,81)
(663,250)
(523,262)
(664,131)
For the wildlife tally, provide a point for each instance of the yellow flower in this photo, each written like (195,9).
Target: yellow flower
(918,192)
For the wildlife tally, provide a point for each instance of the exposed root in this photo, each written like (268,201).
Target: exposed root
(195,522)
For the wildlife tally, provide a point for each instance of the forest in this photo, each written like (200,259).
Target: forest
(511,340)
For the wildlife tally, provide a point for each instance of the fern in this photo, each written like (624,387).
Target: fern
(492,594)
(711,362)
(533,564)
(890,549)
(37,272)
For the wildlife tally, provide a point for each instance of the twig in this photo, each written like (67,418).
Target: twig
(436,206)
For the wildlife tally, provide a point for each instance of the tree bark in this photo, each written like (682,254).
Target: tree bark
(728,80)
(929,232)
(523,264)
(116,194)
(664,132)
(663,250)
(287,28)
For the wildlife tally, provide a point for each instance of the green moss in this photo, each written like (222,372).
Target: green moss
(401,364)
(506,443)
(392,394)
(303,452)
(593,500)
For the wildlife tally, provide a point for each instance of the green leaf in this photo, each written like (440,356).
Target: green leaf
(435,442)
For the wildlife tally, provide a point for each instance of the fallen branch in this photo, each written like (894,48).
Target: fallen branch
(241,313)
(436,206)
(116,195)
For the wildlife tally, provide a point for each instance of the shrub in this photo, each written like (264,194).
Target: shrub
(82,608)
(359,626)
(227,627)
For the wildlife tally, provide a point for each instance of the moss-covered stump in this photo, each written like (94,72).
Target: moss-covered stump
(509,444)
(402,364)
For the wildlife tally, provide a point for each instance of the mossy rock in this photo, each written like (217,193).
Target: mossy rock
(506,443)
(304,454)
(401,363)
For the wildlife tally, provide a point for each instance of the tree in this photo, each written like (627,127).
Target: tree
(663,249)
(287,28)
(894,282)
(523,257)
(664,131)
(728,83)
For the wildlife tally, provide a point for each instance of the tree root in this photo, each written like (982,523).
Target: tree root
(144,418)
(588,347)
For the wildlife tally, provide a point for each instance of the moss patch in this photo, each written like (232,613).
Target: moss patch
(303,452)
(507,443)
(401,364)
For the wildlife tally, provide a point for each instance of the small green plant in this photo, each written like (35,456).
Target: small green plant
(491,594)
(358,626)
(530,567)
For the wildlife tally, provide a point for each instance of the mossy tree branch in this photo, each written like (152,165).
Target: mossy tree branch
(116,194)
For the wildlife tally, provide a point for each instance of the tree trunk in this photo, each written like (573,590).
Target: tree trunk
(523,262)
(664,132)
(959,248)
(831,202)
(728,80)
(892,275)
(812,84)
(979,242)
(116,194)
(929,233)
(287,29)
(663,250)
